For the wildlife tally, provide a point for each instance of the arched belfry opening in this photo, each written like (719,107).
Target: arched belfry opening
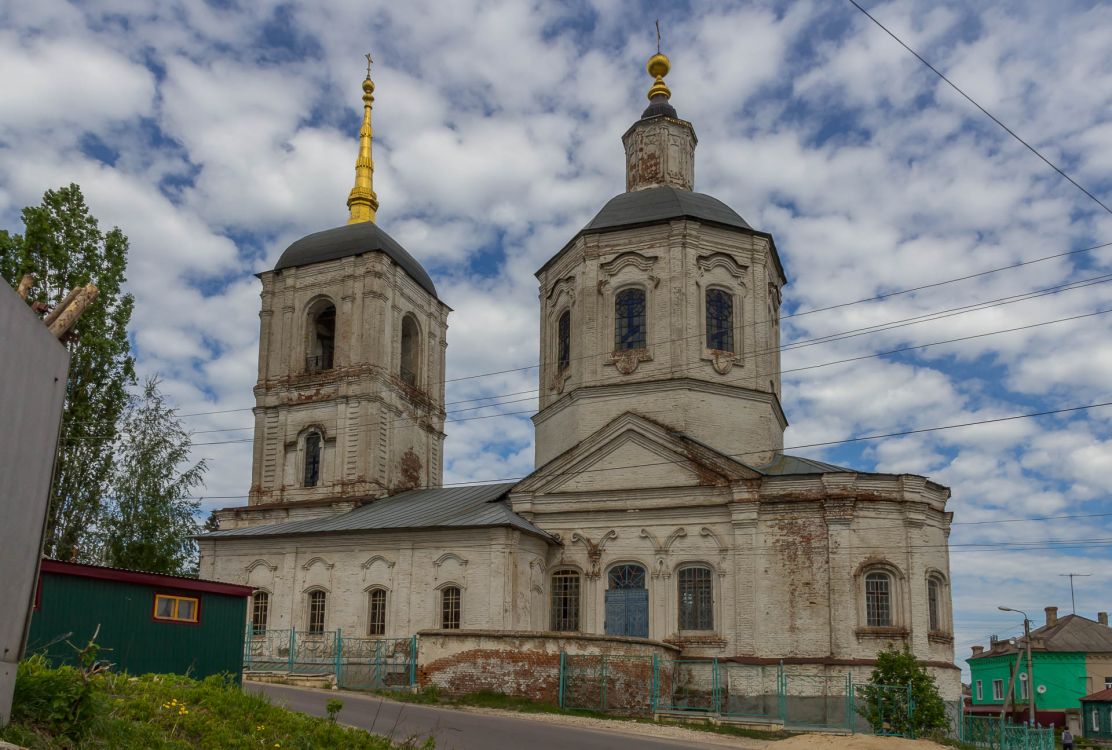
(411,351)
(320,353)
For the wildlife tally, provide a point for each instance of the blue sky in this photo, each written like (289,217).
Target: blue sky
(214,134)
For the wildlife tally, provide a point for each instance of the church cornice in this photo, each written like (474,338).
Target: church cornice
(655,386)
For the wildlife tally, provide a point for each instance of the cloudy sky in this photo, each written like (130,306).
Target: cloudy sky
(214,134)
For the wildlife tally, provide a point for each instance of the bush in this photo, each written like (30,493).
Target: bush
(885,699)
(57,699)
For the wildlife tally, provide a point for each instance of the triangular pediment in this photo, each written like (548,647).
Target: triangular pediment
(633,452)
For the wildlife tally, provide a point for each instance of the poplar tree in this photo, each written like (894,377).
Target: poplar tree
(62,246)
(152,515)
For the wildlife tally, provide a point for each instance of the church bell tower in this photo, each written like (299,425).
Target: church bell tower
(350,394)
(666,305)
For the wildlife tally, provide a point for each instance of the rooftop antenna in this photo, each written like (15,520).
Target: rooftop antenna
(1071,576)
(658,36)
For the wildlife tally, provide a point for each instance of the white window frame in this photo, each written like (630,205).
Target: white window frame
(1023,691)
(980,690)
(998,690)
(1096,719)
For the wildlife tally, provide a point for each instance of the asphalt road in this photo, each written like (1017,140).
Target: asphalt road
(461,730)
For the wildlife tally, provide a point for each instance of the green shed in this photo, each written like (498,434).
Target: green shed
(148,622)
(1096,716)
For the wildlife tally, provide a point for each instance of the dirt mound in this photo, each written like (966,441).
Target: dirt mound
(853,742)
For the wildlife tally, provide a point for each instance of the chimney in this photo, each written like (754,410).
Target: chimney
(1102,618)
(978,650)
(1051,616)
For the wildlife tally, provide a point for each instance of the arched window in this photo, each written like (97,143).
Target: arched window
(720,320)
(629,319)
(563,341)
(450,601)
(934,603)
(565,600)
(260,612)
(322,339)
(878,600)
(411,341)
(696,598)
(312,459)
(376,612)
(317,607)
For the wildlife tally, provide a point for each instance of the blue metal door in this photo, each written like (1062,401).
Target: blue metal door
(627,602)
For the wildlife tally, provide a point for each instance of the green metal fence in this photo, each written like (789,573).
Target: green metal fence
(354,662)
(793,696)
(996,734)
(614,683)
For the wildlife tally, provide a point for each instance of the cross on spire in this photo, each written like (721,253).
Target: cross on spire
(369,60)
(657,37)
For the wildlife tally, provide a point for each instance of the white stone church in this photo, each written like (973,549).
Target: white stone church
(662,505)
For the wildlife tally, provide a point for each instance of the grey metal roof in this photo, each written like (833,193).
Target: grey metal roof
(662,204)
(784,464)
(352,239)
(435,507)
(1072,633)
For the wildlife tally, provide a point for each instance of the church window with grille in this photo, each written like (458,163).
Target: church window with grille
(317,603)
(720,320)
(878,600)
(312,459)
(450,608)
(565,601)
(376,612)
(629,319)
(934,603)
(563,341)
(410,360)
(260,612)
(696,598)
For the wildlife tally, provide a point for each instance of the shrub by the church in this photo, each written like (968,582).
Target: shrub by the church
(884,701)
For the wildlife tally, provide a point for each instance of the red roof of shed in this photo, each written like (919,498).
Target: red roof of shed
(1102,695)
(146,579)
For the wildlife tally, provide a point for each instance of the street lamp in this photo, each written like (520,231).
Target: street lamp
(1030,668)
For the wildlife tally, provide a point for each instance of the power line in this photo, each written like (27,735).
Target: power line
(821,444)
(875,298)
(752,355)
(972,101)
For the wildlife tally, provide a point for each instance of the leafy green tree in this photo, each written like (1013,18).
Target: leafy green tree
(883,701)
(63,247)
(152,514)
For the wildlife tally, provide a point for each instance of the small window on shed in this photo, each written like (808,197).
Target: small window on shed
(170,608)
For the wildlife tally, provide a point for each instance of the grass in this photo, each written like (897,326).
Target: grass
(501,701)
(68,709)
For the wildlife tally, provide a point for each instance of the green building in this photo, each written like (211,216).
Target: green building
(147,622)
(1071,658)
(1096,716)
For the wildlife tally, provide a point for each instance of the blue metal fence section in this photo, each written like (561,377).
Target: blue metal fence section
(361,663)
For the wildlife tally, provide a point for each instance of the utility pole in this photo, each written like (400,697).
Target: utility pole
(1030,666)
(1071,576)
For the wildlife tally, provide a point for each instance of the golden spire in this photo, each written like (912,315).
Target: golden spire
(658,67)
(362,201)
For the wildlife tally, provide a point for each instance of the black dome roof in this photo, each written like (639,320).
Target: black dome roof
(657,204)
(353,239)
